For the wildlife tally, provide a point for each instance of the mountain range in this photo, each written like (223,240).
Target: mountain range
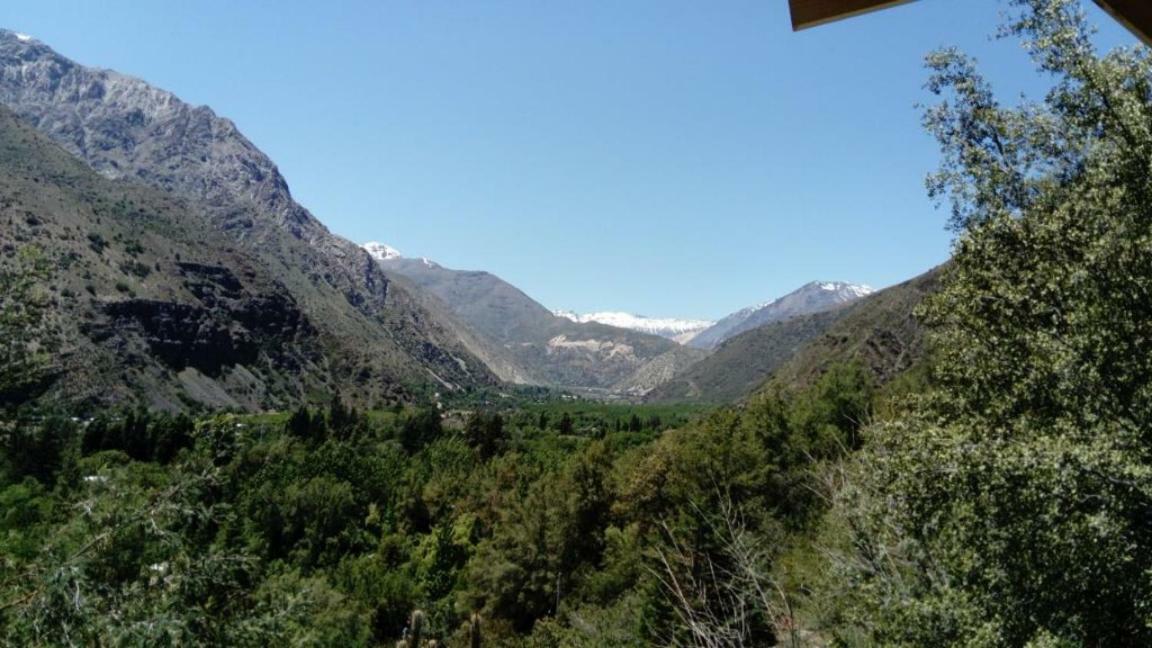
(680,330)
(878,331)
(187,276)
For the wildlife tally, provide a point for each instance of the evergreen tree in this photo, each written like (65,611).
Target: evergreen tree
(485,433)
(423,428)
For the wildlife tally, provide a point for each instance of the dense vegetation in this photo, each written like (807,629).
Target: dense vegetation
(1010,506)
(558,524)
(999,495)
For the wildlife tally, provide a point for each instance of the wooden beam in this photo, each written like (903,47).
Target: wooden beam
(1136,15)
(810,13)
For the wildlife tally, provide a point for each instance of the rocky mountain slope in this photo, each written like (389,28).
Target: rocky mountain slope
(680,330)
(659,371)
(126,129)
(148,304)
(521,339)
(878,331)
(810,298)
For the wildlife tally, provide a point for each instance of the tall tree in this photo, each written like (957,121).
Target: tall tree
(1012,507)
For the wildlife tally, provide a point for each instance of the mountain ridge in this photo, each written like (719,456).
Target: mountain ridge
(812,297)
(126,129)
(879,331)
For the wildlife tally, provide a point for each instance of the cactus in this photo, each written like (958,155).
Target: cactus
(474,630)
(415,629)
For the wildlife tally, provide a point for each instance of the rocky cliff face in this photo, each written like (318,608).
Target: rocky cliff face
(224,326)
(126,129)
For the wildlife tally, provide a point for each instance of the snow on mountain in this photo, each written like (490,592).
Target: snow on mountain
(680,330)
(382,252)
(846,291)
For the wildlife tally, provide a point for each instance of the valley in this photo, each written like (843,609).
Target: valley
(224,422)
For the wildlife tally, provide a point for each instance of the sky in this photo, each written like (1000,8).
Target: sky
(661,157)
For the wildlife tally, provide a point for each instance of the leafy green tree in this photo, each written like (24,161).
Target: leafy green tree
(422,429)
(634,424)
(485,433)
(298,423)
(36,450)
(1011,508)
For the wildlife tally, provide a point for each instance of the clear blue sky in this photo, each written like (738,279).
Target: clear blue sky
(665,157)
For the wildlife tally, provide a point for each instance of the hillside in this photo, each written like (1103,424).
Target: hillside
(878,331)
(742,363)
(522,340)
(148,304)
(123,128)
(812,297)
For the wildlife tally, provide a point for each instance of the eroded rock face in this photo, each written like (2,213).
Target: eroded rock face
(228,327)
(182,335)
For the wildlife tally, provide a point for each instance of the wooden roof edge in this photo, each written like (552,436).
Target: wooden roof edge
(813,13)
(1137,20)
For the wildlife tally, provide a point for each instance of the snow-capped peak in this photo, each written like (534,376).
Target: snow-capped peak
(381,252)
(854,291)
(672,328)
(22,37)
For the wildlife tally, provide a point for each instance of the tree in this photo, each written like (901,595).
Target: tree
(299,423)
(566,425)
(1010,507)
(423,428)
(485,433)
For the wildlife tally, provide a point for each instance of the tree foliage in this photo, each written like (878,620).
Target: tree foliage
(1010,508)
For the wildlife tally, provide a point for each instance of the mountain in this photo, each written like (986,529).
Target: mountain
(680,330)
(879,331)
(522,340)
(810,298)
(374,330)
(147,303)
(742,363)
